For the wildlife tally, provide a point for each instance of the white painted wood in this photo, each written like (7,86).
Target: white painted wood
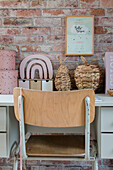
(3,145)
(106,119)
(24,84)
(107,100)
(2,119)
(12,129)
(47,85)
(6,100)
(107,146)
(98,130)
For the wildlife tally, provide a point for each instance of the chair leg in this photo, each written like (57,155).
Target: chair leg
(15,167)
(25,164)
(95,165)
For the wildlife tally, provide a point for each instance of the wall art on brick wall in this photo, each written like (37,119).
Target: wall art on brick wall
(79,35)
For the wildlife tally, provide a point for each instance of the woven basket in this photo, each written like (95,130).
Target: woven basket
(87,76)
(63,78)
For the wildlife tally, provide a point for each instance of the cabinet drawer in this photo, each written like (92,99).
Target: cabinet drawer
(107,146)
(3,145)
(47,85)
(107,119)
(2,119)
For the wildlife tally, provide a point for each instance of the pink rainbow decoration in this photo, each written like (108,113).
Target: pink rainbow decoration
(36,62)
(42,57)
(36,67)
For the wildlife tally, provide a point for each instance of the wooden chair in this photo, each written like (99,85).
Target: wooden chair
(55,109)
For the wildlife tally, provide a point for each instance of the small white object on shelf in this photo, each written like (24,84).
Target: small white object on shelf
(97,99)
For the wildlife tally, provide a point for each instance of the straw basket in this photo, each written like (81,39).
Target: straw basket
(87,76)
(63,78)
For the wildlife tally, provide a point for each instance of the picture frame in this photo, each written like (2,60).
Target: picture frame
(79,35)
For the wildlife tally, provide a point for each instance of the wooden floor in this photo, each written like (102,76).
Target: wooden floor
(56,145)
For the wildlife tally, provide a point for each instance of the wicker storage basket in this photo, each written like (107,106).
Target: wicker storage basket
(63,78)
(87,76)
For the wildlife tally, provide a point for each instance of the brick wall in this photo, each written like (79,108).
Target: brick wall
(37,26)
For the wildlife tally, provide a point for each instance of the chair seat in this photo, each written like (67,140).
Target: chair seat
(56,145)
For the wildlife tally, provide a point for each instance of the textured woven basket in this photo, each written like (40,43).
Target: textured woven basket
(87,76)
(63,78)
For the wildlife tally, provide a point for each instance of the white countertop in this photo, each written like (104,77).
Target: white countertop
(6,100)
(107,100)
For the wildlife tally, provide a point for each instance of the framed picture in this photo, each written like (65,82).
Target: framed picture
(79,35)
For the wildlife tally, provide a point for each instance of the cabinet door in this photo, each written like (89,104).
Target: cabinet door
(107,146)
(3,145)
(2,119)
(107,119)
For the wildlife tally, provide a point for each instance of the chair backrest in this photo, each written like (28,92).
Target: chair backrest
(55,109)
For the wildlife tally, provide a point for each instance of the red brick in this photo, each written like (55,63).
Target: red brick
(109,48)
(97,12)
(38,3)
(10,161)
(106,3)
(55,39)
(14,4)
(100,30)
(109,12)
(81,11)
(25,13)
(106,21)
(54,56)
(103,39)
(81,163)
(48,21)
(71,65)
(98,48)
(4,12)
(58,31)
(55,162)
(89,3)
(6,168)
(18,21)
(0,22)
(55,4)
(87,168)
(62,4)
(31,162)
(105,168)
(38,48)
(46,168)
(28,39)
(109,29)
(108,162)
(2,161)
(91,11)
(10,47)
(9,31)
(55,65)
(12,31)
(71,3)
(63,22)
(56,12)
(96,21)
(59,48)
(6,40)
(37,31)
